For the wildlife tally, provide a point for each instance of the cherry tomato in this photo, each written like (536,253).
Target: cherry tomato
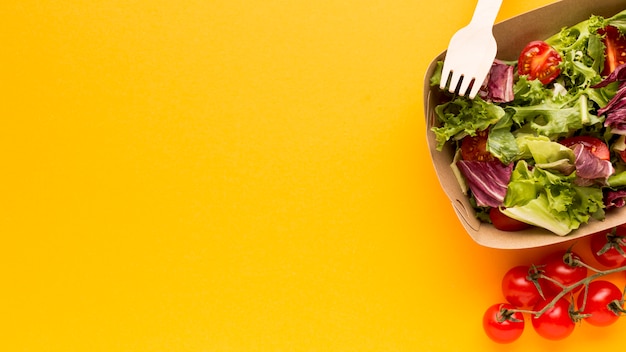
(594,145)
(475,147)
(501,325)
(609,246)
(556,267)
(505,223)
(518,287)
(555,323)
(615,49)
(602,297)
(539,60)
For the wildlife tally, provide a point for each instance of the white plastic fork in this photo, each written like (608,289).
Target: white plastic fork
(471,51)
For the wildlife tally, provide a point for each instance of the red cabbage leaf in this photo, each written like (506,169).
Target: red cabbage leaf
(488,180)
(499,83)
(590,168)
(615,199)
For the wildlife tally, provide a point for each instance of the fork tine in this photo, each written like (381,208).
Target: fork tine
(465,83)
(445,74)
(454,82)
(483,74)
(475,89)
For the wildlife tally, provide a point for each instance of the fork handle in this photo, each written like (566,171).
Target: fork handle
(485,13)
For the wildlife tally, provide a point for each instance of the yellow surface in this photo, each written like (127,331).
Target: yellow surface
(230,175)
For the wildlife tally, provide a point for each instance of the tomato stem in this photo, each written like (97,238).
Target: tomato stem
(570,288)
(581,263)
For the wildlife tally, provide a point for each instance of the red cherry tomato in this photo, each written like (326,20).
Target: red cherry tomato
(615,49)
(555,323)
(594,145)
(501,325)
(609,246)
(602,297)
(475,147)
(518,287)
(557,269)
(505,223)
(539,60)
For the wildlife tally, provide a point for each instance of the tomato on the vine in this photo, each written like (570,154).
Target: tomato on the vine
(539,60)
(561,266)
(603,304)
(551,292)
(615,48)
(519,288)
(555,323)
(609,246)
(474,148)
(503,325)
(503,222)
(594,145)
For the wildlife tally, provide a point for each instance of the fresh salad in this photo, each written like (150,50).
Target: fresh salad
(544,142)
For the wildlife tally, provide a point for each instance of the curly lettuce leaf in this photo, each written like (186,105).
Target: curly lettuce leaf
(435,79)
(618,20)
(551,200)
(555,117)
(461,116)
(582,51)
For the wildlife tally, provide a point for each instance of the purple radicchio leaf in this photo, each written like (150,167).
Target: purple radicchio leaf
(616,120)
(615,199)
(590,168)
(498,86)
(615,112)
(619,74)
(488,180)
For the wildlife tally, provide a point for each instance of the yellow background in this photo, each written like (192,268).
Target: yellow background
(227,175)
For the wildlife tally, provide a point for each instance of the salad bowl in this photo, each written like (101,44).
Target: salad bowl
(511,41)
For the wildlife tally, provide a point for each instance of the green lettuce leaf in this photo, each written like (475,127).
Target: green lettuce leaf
(501,141)
(582,52)
(550,200)
(554,117)
(617,180)
(461,116)
(550,155)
